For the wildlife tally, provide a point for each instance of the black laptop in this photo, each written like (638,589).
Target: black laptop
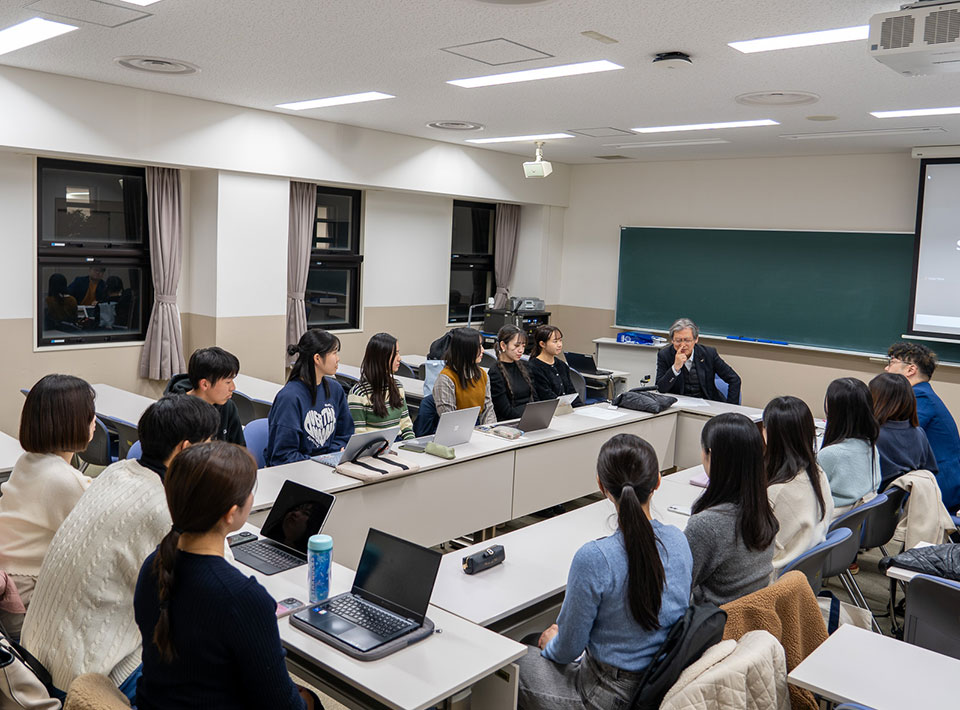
(584,364)
(390,595)
(299,512)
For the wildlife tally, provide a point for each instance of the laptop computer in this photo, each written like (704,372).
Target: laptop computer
(356,444)
(584,364)
(298,513)
(454,428)
(390,595)
(537,415)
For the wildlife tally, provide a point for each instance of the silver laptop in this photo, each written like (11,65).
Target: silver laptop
(356,444)
(455,428)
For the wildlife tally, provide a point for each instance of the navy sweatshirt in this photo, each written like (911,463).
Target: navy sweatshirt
(903,448)
(225,636)
(300,428)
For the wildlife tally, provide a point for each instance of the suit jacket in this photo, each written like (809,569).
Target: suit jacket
(709,364)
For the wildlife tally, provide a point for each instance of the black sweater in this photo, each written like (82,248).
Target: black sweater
(552,381)
(508,402)
(226,638)
(231,429)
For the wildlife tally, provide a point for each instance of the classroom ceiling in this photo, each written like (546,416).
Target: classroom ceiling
(258,54)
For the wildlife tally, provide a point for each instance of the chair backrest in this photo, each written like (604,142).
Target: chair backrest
(579,384)
(127,435)
(881,521)
(406,371)
(256,433)
(427,418)
(931,620)
(431,370)
(724,389)
(135,451)
(811,562)
(487,360)
(852,706)
(98,450)
(348,381)
(245,408)
(845,554)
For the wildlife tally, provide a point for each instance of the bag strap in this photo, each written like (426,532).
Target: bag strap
(376,447)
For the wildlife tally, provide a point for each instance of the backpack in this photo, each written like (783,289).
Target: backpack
(438,348)
(698,629)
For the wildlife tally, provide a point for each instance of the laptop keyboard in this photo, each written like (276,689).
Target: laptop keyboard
(332,459)
(367,615)
(271,555)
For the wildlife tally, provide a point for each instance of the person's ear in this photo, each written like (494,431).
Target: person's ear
(231,516)
(185,444)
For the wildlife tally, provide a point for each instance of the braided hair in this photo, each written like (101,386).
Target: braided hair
(504,336)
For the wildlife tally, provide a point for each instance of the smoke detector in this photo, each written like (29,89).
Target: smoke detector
(672,60)
(456,125)
(157,65)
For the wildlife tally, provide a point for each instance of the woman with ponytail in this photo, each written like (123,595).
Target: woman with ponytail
(510,384)
(309,415)
(624,592)
(732,529)
(210,636)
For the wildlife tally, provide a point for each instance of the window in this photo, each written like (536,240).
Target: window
(333,282)
(471,258)
(93,253)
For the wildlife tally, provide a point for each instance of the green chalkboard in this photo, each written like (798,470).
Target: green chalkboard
(843,290)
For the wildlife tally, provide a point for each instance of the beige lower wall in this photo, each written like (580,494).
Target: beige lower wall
(415,326)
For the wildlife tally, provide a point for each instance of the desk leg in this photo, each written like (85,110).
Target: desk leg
(498,691)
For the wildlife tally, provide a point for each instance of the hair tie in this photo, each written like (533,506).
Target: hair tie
(177,530)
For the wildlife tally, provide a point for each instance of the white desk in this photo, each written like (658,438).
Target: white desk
(119,405)
(10,451)
(413,361)
(414,678)
(850,665)
(265,391)
(639,360)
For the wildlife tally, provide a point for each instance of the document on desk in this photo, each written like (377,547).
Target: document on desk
(684,401)
(595,413)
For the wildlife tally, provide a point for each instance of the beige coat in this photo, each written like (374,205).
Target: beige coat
(925,519)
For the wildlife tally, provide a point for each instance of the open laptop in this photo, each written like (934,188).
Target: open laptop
(584,364)
(390,595)
(454,428)
(298,513)
(537,415)
(356,444)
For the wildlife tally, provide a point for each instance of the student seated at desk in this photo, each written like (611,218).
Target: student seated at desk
(848,455)
(732,529)
(57,420)
(377,401)
(623,594)
(463,383)
(798,489)
(81,619)
(210,374)
(61,306)
(510,384)
(210,635)
(309,415)
(917,363)
(551,375)
(901,443)
(688,368)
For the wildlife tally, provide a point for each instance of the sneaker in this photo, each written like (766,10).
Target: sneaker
(854,568)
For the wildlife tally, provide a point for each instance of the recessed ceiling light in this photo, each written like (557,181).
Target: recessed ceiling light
(777,98)
(520,139)
(157,65)
(862,134)
(336,100)
(665,144)
(30,32)
(908,113)
(804,39)
(456,125)
(706,126)
(535,74)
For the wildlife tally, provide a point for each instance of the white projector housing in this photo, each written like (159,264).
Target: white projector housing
(537,169)
(922,38)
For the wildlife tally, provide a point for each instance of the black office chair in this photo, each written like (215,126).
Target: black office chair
(406,371)
(245,408)
(348,381)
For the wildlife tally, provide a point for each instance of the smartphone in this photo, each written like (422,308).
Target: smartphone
(240,538)
(414,446)
(288,606)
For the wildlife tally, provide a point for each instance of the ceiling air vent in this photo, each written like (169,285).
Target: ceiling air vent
(897,32)
(612,157)
(942,27)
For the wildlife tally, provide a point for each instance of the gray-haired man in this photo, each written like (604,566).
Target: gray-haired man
(688,368)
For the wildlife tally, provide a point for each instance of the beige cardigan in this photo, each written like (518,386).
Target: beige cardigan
(795,505)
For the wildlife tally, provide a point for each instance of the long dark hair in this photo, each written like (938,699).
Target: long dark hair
(376,369)
(461,355)
(629,471)
(314,342)
(893,399)
(542,334)
(504,336)
(791,434)
(57,287)
(202,484)
(737,476)
(849,406)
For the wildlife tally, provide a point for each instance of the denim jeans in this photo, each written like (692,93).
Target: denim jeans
(584,684)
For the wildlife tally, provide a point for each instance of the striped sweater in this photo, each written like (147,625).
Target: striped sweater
(364,418)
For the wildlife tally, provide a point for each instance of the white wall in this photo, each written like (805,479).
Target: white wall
(851,192)
(17,234)
(198,275)
(539,253)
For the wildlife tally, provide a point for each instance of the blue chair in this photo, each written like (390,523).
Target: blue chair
(852,706)
(812,561)
(135,451)
(98,451)
(931,620)
(580,385)
(427,417)
(256,433)
(723,388)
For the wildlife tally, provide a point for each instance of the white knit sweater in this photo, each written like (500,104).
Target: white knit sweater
(797,510)
(42,490)
(80,619)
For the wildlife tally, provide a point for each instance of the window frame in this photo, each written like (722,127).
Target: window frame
(350,259)
(470,262)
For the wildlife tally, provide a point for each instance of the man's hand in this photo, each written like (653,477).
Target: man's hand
(547,635)
(679,360)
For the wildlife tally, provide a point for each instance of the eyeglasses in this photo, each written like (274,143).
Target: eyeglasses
(682,341)
(894,361)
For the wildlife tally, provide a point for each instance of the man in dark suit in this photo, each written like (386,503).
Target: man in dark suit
(688,368)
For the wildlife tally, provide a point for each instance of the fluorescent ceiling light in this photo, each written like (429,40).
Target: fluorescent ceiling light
(520,139)
(31,32)
(336,100)
(805,39)
(665,144)
(908,113)
(862,134)
(706,126)
(534,74)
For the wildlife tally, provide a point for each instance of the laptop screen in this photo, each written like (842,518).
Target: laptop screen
(298,513)
(396,574)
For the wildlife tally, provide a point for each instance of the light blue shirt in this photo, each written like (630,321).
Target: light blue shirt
(596,615)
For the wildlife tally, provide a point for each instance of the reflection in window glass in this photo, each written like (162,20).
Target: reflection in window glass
(473,228)
(334,212)
(327,297)
(91,300)
(467,288)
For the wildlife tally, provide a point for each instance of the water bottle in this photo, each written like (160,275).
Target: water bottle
(319,550)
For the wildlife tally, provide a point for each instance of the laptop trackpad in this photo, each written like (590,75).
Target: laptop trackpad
(345,630)
(361,638)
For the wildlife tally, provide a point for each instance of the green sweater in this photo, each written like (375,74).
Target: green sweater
(364,418)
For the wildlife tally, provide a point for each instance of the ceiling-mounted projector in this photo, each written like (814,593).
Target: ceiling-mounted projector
(538,167)
(922,38)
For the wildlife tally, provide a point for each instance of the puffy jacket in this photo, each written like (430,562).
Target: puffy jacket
(938,560)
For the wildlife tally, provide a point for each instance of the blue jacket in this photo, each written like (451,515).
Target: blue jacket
(941,429)
(300,428)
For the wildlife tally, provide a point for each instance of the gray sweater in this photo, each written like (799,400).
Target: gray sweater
(723,568)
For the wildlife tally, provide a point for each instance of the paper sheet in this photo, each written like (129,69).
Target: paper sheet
(595,413)
(690,401)
(568,398)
